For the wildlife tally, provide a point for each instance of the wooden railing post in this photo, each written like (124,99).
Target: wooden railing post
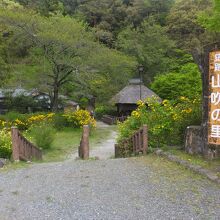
(84,144)
(15,144)
(145,139)
(117,153)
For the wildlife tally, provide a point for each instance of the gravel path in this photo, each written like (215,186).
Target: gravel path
(135,188)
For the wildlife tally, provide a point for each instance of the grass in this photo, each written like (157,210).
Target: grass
(14,166)
(65,143)
(68,140)
(213,165)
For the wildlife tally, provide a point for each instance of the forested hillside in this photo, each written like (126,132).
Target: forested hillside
(84,48)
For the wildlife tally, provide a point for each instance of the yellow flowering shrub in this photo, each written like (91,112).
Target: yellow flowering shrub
(166,121)
(5,144)
(72,119)
(79,118)
(24,121)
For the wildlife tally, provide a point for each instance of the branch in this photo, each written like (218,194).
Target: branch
(65,76)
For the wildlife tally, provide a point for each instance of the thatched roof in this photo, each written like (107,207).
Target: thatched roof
(131,93)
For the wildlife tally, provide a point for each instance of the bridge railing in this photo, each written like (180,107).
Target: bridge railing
(111,120)
(136,144)
(22,149)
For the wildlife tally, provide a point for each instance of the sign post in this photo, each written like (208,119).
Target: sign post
(214,99)
(208,61)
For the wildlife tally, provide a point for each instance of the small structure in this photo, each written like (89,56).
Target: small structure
(126,100)
(41,99)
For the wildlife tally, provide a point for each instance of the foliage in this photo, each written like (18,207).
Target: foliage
(183,25)
(79,118)
(5,144)
(210,19)
(104,110)
(150,45)
(24,121)
(187,82)
(43,135)
(84,102)
(70,61)
(166,123)
(21,103)
(59,120)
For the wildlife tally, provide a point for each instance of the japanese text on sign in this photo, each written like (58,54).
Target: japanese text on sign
(214,99)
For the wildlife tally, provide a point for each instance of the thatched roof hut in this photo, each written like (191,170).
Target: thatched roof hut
(126,99)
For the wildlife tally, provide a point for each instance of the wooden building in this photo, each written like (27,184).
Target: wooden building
(126,100)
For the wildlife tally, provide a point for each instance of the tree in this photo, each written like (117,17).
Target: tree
(62,61)
(210,19)
(183,26)
(150,45)
(60,49)
(44,7)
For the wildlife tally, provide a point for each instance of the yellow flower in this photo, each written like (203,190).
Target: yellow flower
(165,102)
(140,103)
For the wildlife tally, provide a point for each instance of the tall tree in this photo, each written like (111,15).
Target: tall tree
(150,45)
(210,19)
(59,60)
(183,24)
(60,49)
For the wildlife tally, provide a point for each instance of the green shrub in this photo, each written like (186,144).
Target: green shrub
(21,103)
(104,110)
(43,135)
(59,121)
(5,144)
(187,82)
(166,122)
(12,116)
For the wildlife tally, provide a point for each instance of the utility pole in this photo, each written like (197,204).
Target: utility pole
(140,70)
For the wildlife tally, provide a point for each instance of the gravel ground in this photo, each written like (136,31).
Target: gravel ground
(135,188)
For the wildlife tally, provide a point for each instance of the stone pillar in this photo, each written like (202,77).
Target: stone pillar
(84,144)
(194,140)
(15,144)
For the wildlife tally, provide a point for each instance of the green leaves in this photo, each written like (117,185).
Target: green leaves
(210,20)
(187,82)
(149,44)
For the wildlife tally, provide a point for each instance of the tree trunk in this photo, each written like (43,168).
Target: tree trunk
(55,101)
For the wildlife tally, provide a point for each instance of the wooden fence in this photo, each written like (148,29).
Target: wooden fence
(136,144)
(22,149)
(111,120)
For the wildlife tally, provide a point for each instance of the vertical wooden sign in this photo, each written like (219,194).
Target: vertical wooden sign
(214,99)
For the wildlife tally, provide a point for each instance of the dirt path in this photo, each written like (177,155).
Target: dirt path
(104,149)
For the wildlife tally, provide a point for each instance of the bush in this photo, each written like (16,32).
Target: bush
(5,144)
(43,135)
(104,110)
(79,118)
(21,103)
(166,122)
(59,121)
(187,83)
(24,121)
(74,119)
